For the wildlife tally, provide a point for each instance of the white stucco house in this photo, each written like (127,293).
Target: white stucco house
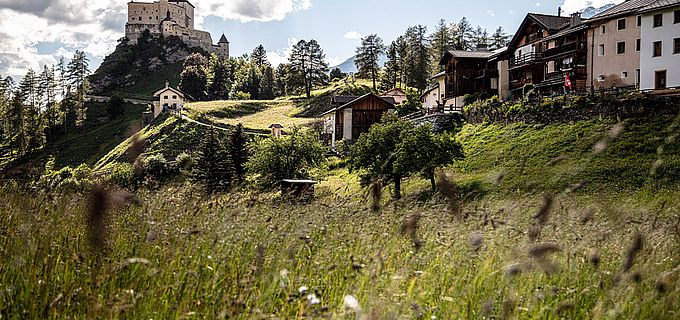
(660,47)
(167,99)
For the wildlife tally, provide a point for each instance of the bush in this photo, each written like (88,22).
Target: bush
(123,175)
(116,107)
(289,157)
(185,162)
(65,179)
(157,169)
(240,95)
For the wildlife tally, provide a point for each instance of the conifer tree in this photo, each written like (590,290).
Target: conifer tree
(418,66)
(194,77)
(465,37)
(499,39)
(77,72)
(32,133)
(308,67)
(267,83)
(213,164)
(221,80)
(442,42)
(368,57)
(238,150)
(259,56)
(391,75)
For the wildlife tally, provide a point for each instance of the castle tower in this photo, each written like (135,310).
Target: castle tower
(163,6)
(223,47)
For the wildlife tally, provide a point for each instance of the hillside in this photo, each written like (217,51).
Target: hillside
(137,71)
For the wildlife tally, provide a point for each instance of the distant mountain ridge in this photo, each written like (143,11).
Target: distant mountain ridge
(592,11)
(350,67)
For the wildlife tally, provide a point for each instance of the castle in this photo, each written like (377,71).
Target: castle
(171,18)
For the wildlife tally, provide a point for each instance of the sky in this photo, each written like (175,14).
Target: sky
(34,33)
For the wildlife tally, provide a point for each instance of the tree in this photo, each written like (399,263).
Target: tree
(116,107)
(368,57)
(267,83)
(375,151)
(248,79)
(259,56)
(411,105)
(194,76)
(418,66)
(423,151)
(465,38)
(238,150)
(442,41)
(221,83)
(337,74)
(288,157)
(391,75)
(499,39)
(76,74)
(481,38)
(308,67)
(281,80)
(213,167)
(32,127)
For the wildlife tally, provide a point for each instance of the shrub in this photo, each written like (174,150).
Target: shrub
(65,179)
(185,162)
(157,169)
(240,95)
(289,157)
(123,175)
(214,166)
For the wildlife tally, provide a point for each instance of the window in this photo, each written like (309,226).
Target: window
(622,24)
(656,52)
(676,46)
(638,45)
(624,74)
(621,47)
(174,97)
(676,16)
(639,21)
(600,50)
(601,78)
(637,77)
(658,20)
(603,29)
(165,97)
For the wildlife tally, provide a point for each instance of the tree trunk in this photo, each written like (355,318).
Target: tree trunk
(433,182)
(397,187)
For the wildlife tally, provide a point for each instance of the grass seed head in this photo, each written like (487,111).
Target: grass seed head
(544,249)
(594,257)
(98,204)
(632,252)
(476,241)
(543,213)
(376,195)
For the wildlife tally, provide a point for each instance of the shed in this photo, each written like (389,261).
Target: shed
(277,130)
(350,120)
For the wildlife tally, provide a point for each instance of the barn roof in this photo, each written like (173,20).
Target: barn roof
(387,100)
(347,99)
(276,125)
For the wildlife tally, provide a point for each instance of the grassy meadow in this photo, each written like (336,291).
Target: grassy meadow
(567,221)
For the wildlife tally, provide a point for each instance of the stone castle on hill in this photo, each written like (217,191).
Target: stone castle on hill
(171,18)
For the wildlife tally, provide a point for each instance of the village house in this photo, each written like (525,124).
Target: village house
(398,94)
(615,44)
(565,59)
(526,51)
(167,99)
(660,48)
(348,120)
(170,18)
(466,72)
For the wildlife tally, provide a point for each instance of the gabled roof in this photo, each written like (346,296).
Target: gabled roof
(443,73)
(179,92)
(460,54)
(660,5)
(276,125)
(223,39)
(567,31)
(347,99)
(386,100)
(549,22)
(393,90)
(626,8)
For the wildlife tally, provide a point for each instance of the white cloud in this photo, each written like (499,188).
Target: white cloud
(281,56)
(491,13)
(353,35)
(334,61)
(571,6)
(538,4)
(92,26)
(249,10)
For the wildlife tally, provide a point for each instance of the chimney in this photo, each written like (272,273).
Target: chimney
(167,84)
(559,11)
(575,19)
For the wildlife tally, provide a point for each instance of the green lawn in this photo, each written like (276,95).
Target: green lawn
(254,115)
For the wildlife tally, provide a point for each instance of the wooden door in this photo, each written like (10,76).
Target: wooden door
(660,80)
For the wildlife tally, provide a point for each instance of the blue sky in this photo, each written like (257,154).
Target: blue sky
(38,32)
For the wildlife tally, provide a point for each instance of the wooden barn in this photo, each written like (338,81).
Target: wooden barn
(349,120)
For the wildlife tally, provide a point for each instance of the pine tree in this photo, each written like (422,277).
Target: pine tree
(281,80)
(194,76)
(61,81)
(259,56)
(76,73)
(32,128)
(499,39)
(308,67)
(442,42)
(238,150)
(417,68)
(368,57)
(267,83)
(402,53)
(391,74)
(466,38)
(214,168)
(481,38)
(221,80)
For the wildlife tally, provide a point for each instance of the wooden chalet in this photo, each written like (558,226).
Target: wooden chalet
(527,49)
(566,55)
(467,72)
(351,116)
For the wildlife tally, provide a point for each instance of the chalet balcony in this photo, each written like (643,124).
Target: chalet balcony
(526,59)
(575,72)
(567,48)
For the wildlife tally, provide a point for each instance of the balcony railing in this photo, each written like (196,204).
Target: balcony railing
(576,72)
(525,59)
(566,48)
